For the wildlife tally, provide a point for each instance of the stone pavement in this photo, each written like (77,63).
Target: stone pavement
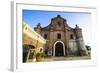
(66,58)
(49,59)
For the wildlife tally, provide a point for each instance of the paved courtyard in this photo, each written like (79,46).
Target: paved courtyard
(49,59)
(65,58)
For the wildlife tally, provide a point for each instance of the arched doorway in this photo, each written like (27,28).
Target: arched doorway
(59,49)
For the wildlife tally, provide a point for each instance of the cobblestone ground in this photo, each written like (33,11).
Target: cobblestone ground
(65,58)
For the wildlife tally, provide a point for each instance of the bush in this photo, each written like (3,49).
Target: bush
(82,53)
(88,47)
(39,56)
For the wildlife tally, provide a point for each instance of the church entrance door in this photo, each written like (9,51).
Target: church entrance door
(59,49)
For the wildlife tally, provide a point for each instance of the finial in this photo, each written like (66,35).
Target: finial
(58,15)
(76,26)
(38,24)
(64,20)
(52,19)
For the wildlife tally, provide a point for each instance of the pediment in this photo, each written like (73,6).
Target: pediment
(58,23)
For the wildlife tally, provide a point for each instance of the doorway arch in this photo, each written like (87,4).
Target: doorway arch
(59,49)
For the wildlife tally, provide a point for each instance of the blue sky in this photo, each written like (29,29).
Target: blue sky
(83,20)
(33,17)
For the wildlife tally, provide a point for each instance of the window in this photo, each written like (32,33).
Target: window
(58,36)
(71,36)
(45,36)
(59,24)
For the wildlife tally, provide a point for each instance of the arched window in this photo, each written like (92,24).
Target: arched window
(71,36)
(45,36)
(58,36)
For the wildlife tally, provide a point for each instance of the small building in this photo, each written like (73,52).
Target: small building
(32,42)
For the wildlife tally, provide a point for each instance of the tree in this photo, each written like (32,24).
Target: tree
(88,47)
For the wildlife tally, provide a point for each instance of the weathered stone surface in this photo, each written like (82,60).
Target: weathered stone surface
(59,31)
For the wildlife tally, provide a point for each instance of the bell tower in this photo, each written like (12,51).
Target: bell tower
(79,40)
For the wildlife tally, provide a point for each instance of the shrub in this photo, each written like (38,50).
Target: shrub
(88,47)
(39,56)
(82,53)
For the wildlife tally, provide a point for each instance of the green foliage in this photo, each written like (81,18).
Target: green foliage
(82,53)
(39,56)
(88,47)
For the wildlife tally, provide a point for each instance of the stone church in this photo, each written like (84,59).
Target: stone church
(61,39)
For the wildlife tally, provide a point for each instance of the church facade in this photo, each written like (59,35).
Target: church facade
(61,39)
